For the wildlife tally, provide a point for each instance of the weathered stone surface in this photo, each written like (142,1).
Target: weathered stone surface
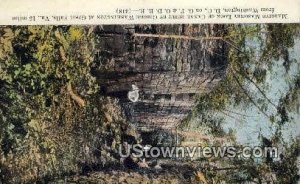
(167,71)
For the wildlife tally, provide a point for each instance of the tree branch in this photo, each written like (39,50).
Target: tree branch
(75,97)
(249,97)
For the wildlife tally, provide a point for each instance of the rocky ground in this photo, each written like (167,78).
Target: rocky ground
(169,172)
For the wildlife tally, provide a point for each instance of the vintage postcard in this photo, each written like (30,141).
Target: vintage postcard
(148,91)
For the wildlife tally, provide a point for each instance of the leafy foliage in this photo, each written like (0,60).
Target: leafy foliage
(253,50)
(44,130)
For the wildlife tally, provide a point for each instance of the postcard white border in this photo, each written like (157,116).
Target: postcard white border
(10,10)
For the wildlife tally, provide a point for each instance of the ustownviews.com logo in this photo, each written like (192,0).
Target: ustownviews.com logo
(138,150)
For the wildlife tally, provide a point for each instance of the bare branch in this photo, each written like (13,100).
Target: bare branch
(75,97)
(249,97)
(177,37)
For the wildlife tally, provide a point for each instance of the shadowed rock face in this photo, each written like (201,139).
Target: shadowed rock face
(167,72)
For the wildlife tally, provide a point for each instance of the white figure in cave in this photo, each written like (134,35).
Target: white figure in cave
(133,94)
